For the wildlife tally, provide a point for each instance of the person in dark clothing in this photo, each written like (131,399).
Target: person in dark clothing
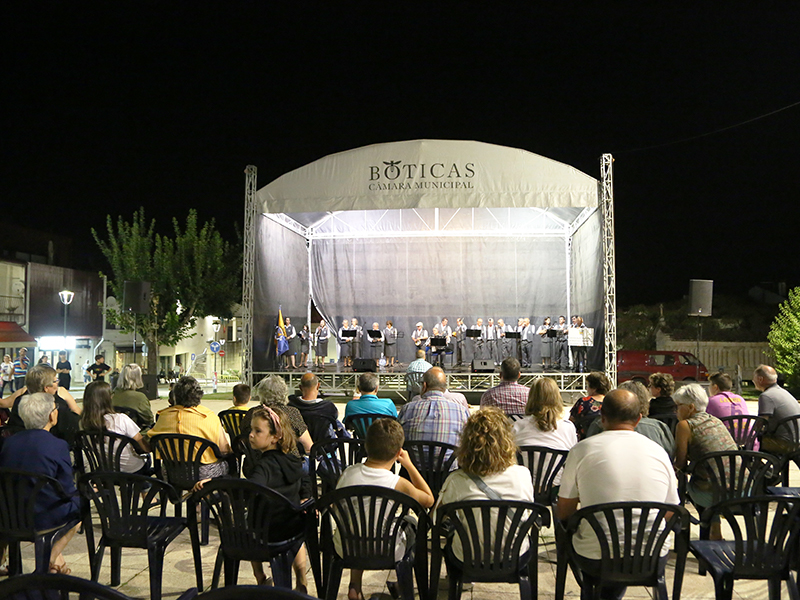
(661,387)
(64,369)
(321,416)
(99,368)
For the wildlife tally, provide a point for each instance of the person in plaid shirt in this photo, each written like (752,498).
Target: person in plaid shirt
(432,416)
(509,396)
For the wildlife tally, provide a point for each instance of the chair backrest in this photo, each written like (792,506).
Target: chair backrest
(489,550)
(744,429)
(414,384)
(251,592)
(514,417)
(103,449)
(248,456)
(320,427)
(123,501)
(180,456)
(36,585)
(232,421)
(788,428)
(133,414)
(359,424)
(670,419)
(765,532)
(370,521)
(329,458)
(545,465)
(736,474)
(434,461)
(18,507)
(255,522)
(631,536)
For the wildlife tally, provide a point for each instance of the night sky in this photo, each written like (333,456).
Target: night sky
(162,105)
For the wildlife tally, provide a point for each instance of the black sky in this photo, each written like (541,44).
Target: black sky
(108,107)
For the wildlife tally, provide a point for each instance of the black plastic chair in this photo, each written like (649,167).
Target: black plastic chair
(255,523)
(787,428)
(18,492)
(745,430)
(434,461)
(670,419)
(134,416)
(490,552)
(370,522)
(232,421)
(36,587)
(178,457)
(321,427)
(123,502)
(413,385)
(359,424)
(631,536)
(329,459)
(735,474)
(766,531)
(514,417)
(245,592)
(545,464)
(248,457)
(103,449)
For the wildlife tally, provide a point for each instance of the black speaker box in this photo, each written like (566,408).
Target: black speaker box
(701,294)
(482,366)
(136,297)
(363,365)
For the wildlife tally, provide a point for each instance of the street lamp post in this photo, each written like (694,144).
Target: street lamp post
(66,298)
(216,325)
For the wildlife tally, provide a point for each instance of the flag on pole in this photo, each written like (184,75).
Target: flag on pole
(280,334)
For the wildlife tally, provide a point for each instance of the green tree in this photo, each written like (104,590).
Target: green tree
(193,274)
(784,338)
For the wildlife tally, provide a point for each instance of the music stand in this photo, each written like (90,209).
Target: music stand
(473,333)
(374,335)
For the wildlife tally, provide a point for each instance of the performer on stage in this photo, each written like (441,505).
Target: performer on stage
(459,333)
(578,352)
(357,350)
(526,342)
(479,343)
(561,347)
(547,343)
(305,342)
(444,328)
(321,337)
(420,337)
(503,344)
(390,343)
(491,341)
(438,352)
(345,345)
(294,342)
(376,344)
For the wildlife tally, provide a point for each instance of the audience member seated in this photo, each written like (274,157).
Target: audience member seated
(419,364)
(127,394)
(433,417)
(661,387)
(774,404)
(384,447)
(189,417)
(587,409)
(509,396)
(272,392)
(98,415)
(656,430)
(43,378)
(699,433)
(366,400)
(37,450)
(600,470)
(316,410)
(723,402)
(487,460)
(241,397)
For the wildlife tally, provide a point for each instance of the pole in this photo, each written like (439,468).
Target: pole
(215,364)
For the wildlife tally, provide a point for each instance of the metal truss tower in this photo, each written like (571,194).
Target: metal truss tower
(248,268)
(609,265)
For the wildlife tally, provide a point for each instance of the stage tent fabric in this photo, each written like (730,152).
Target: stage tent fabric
(420,230)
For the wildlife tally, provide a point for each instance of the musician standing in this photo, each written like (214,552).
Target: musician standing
(479,343)
(321,337)
(345,345)
(459,332)
(547,343)
(358,340)
(376,343)
(491,340)
(294,342)
(503,345)
(526,342)
(390,343)
(420,337)
(561,347)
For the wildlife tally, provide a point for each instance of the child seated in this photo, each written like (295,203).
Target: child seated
(241,397)
(384,447)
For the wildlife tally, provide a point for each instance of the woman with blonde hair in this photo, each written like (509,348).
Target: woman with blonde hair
(127,395)
(544,424)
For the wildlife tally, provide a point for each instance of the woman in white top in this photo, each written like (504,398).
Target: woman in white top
(486,452)
(98,415)
(7,370)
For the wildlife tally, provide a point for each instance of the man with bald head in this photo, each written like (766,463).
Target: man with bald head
(617,465)
(433,416)
(774,404)
(317,412)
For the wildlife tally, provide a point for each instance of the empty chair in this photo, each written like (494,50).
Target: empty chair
(485,550)
(123,502)
(35,587)
(434,461)
(632,538)
(232,421)
(255,524)
(413,384)
(745,429)
(764,546)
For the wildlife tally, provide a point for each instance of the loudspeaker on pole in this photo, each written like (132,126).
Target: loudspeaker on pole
(136,297)
(701,294)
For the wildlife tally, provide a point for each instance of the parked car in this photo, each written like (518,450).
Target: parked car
(640,364)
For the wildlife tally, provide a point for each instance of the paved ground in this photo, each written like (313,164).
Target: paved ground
(179,570)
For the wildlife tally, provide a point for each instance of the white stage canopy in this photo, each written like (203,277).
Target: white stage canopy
(425,229)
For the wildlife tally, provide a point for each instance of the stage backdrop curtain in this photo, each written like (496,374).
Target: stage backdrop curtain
(424,279)
(281,264)
(587,283)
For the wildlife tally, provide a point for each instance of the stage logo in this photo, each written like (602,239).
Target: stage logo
(397,175)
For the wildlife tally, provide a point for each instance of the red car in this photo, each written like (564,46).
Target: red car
(640,364)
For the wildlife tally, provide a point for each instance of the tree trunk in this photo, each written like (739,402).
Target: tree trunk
(152,352)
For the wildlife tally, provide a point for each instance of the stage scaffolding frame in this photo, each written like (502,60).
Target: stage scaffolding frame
(566,381)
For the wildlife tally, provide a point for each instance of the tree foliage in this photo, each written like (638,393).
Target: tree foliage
(193,274)
(784,338)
